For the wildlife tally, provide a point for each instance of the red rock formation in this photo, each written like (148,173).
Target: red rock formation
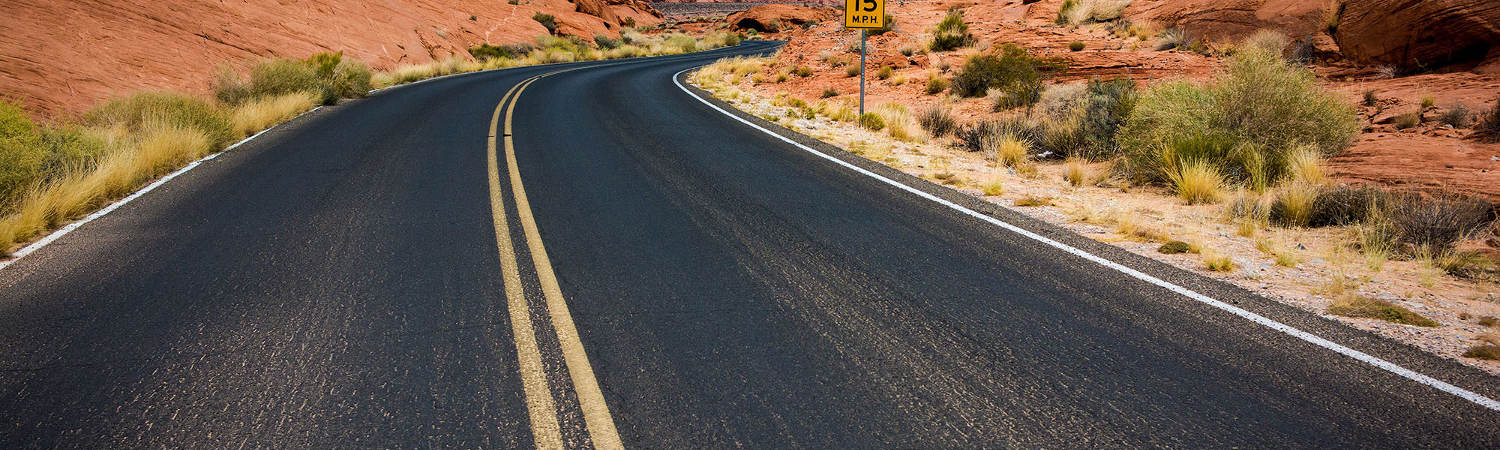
(764,18)
(58,57)
(1414,33)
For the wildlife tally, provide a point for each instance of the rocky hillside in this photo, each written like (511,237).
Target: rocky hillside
(58,57)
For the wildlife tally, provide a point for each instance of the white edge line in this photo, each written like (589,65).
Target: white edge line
(55,235)
(1253,317)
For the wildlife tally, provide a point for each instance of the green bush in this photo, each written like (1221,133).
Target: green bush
(1076,46)
(829,93)
(951,33)
(547,21)
(1013,70)
(936,85)
(31,154)
(1346,205)
(885,72)
(487,51)
(1253,114)
(606,43)
(135,111)
(871,121)
(328,75)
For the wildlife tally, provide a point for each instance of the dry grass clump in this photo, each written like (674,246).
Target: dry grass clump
(992,188)
(951,33)
(1078,12)
(1033,200)
(899,123)
(1489,352)
(256,115)
(1359,306)
(1008,149)
(1217,263)
(1075,172)
(1198,182)
(937,120)
(158,148)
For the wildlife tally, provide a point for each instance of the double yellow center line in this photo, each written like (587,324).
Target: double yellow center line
(542,410)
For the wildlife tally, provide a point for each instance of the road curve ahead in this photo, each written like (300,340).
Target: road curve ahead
(588,254)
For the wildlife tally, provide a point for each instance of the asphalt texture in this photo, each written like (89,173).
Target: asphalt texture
(336,283)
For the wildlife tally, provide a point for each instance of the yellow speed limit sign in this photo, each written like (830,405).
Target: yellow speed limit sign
(864,13)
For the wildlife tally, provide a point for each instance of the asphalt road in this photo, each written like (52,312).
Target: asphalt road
(340,282)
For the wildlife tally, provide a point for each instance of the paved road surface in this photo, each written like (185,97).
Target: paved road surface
(341,282)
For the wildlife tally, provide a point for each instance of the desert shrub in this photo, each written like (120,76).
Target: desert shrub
(1173,38)
(1014,69)
(1490,123)
(1348,205)
(851,71)
(1483,351)
(487,51)
(134,112)
(1174,247)
(937,120)
(803,71)
(329,75)
(1428,101)
(951,33)
(975,136)
(547,20)
(830,92)
(1433,222)
(1076,46)
(1090,114)
(1254,113)
(936,85)
(1457,116)
(908,50)
(1357,306)
(1293,206)
(1266,40)
(885,72)
(32,155)
(898,121)
(1198,182)
(1408,120)
(607,43)
(871,121)
(1370,98)
(1022,94)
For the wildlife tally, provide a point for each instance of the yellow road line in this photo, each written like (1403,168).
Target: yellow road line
(544,428)
(590,398)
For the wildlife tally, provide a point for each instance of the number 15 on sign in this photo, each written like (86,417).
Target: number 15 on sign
(864,13)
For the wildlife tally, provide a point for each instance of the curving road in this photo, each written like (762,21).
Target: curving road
(629,265)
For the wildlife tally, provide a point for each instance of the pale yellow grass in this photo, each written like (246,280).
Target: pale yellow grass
(261,114)
(160,149)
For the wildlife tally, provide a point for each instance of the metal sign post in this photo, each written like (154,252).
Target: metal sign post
(863,15)
(861,71)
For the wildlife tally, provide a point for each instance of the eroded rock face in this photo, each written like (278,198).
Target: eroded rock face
(59,57)
(768,18)
(1416,33)
(1227,20)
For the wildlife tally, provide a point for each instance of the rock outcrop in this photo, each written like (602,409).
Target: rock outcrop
(58,57)
(770,18)
(1414,34)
